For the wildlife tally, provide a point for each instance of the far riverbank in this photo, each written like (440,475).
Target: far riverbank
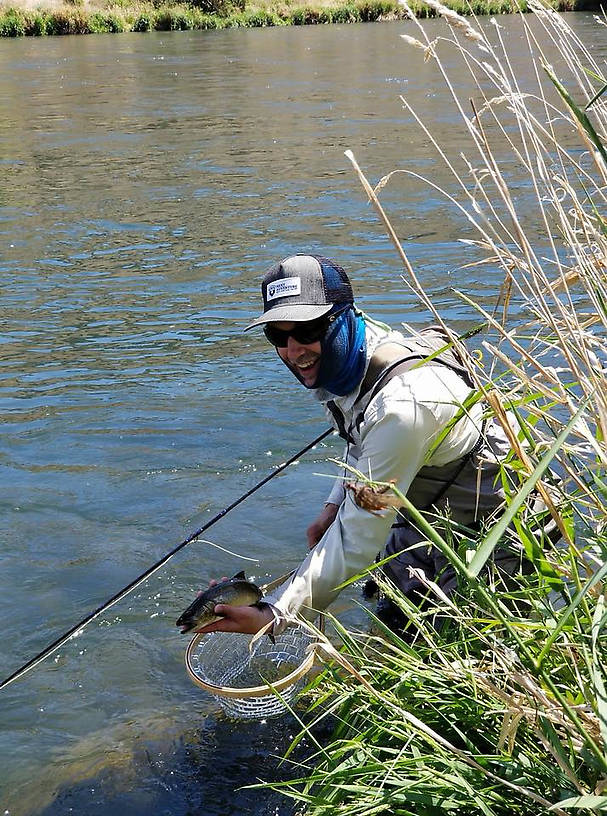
(48,17)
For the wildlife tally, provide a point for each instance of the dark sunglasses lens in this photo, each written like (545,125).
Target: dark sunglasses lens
(312,332)
(275,336)
(305,333)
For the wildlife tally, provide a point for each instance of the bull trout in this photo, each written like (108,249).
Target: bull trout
(236,591)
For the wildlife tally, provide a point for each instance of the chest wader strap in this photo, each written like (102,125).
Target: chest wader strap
(339,421)
(373,385)
(388,362)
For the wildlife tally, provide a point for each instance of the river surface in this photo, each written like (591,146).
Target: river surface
(147,183)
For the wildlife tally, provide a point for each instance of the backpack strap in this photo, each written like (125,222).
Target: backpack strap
(393,369)
(397,367)
(392,359)
(339,421)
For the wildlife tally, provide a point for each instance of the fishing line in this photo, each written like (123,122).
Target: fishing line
(56,644)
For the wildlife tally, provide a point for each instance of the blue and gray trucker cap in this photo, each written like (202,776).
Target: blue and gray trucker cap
(302,288)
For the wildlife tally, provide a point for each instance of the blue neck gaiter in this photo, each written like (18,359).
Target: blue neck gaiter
(344,354)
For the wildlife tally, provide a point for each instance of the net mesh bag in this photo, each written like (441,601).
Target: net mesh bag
(251,681)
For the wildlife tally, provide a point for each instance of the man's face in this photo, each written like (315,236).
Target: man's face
(302,358)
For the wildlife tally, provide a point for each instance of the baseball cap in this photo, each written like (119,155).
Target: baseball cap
(301,288)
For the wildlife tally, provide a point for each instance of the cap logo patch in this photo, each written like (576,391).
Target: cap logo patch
(287,287)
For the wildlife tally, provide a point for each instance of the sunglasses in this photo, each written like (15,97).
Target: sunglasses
(305,333)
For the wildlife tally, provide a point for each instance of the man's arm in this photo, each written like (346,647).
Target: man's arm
(394,443)
(398,432)
(321,524)
(326,517)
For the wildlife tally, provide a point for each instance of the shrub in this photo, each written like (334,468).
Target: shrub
(262,18)
(100,23)
(371,10)
(220,7)
(97,23)
(233,21)
(205,21)
(304,16)
(12,24)
(346,14)
(67,22)
(115,24)
(36,25)
(142,23)
(173,19)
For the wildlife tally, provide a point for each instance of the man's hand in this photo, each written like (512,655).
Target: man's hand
(246,619)
(319,527)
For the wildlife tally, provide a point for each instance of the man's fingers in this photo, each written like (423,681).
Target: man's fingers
(225,624)
(214,581)
(245,619)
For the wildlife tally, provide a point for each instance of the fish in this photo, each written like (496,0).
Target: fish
(236,591)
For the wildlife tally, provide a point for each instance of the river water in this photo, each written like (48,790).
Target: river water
(147,182)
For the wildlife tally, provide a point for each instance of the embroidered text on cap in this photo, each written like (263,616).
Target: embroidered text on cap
(287,287)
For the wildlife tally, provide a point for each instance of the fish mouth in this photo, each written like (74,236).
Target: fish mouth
(186,624)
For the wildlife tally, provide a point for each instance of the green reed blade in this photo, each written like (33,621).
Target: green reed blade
(583,802)
(599,620)
(596,96)
(579,114)
(488,545)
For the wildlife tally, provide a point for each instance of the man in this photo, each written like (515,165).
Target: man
(404,419)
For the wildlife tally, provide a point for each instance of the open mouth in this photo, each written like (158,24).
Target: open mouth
(184,626)
(307,369)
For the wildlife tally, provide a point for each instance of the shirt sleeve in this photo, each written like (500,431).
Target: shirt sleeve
(395,438)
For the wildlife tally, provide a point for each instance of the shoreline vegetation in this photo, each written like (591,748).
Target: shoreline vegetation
(493,700)
(56,17)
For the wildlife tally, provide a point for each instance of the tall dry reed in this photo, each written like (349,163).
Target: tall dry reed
(503,708)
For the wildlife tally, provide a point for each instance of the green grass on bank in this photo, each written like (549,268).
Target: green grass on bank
(122,15)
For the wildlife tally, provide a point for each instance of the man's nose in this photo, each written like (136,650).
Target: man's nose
(294,347)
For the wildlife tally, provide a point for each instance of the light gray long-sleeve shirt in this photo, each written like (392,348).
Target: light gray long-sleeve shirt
(396,438)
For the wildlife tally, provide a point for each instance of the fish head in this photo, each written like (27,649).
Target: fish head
(199,613)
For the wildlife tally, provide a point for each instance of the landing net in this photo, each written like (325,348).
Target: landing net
(255,681)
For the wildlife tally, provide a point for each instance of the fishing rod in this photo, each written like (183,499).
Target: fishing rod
(56,644)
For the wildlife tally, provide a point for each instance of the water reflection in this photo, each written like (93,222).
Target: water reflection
(148,181)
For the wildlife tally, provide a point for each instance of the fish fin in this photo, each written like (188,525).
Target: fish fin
(240,576)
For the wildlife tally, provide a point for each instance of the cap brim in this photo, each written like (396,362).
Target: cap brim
(291,314)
